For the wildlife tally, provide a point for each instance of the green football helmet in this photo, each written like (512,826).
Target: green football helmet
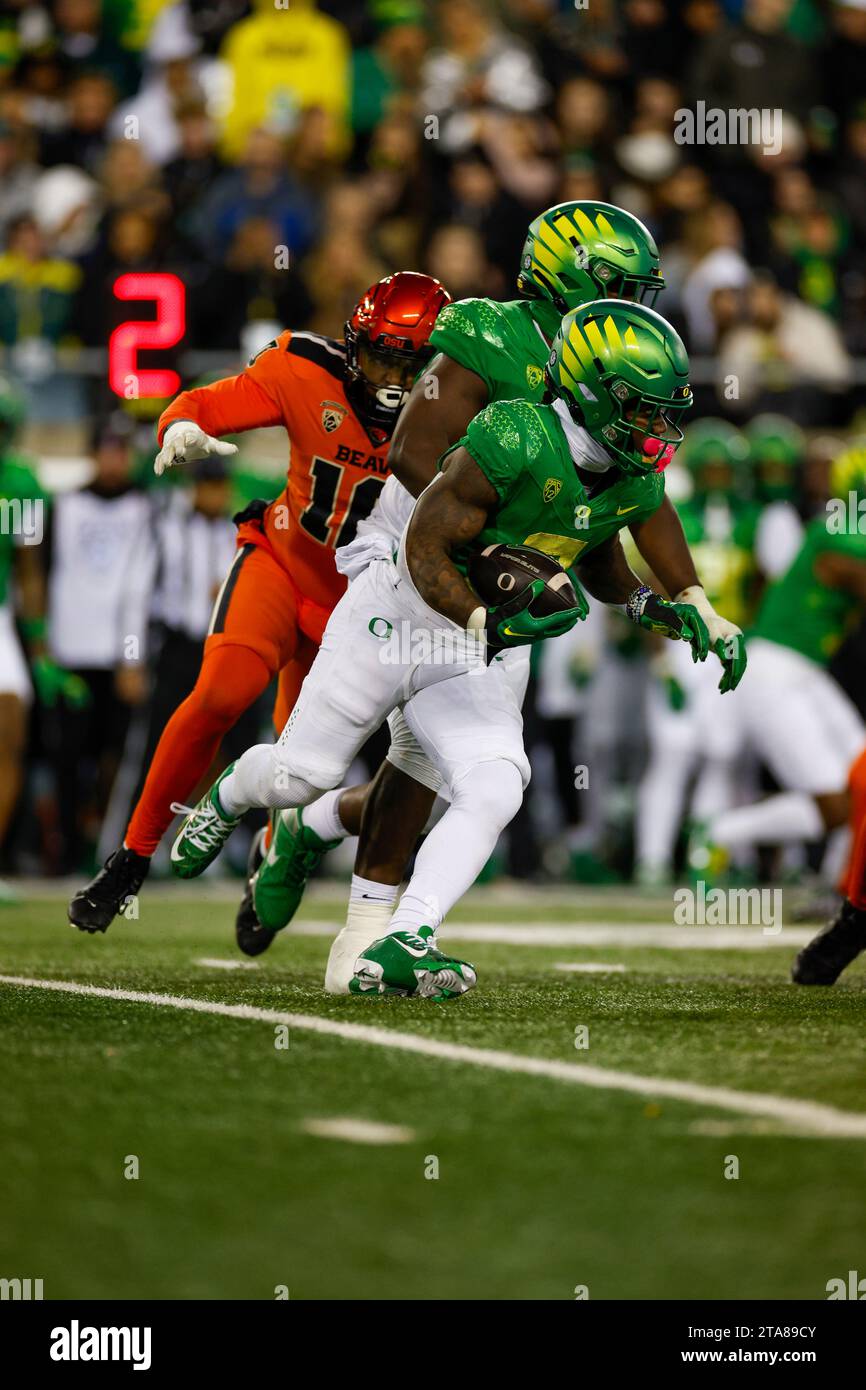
(777,448)
(622,371)
(576,252)
(13,410)
(714,453)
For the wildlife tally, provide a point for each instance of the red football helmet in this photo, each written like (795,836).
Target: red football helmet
(386,344)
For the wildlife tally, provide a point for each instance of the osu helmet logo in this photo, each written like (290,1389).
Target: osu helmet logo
(333,415)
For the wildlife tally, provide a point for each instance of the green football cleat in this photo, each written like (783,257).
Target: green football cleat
(203,833)
(403,963)
(295,853)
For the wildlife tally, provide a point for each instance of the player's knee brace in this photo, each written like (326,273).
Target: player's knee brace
(491,792)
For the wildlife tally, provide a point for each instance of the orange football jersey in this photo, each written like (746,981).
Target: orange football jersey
(335,470)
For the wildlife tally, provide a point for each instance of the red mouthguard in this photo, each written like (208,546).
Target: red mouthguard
(663,453)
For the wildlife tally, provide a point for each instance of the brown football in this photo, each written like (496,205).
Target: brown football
(499,572)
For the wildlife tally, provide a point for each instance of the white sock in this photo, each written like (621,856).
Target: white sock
(775,821)
(367,890)
(323,816)
(366,921)
(456,850)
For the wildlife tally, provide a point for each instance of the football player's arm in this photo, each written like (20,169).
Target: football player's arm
(662,543)
(838,571)
(190,428)
(605,573)
(451,513)
(443,400)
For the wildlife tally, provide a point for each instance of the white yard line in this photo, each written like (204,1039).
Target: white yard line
(633,937)
(804,1116)
(354,1131)
(215,963)
(588,967)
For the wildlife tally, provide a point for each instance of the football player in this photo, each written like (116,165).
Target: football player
(561,477)
(23,509)
(791,711)
(338,402)
(686,725)
(487,351)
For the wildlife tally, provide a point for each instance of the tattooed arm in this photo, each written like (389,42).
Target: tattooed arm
(451,512)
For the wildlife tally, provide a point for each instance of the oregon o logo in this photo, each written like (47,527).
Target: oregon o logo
(381,628)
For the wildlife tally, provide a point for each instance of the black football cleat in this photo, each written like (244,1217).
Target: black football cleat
(827,954)
(251,936)
(95,906)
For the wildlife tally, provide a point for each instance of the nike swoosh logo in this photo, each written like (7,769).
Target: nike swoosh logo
(621,511)
(410,950)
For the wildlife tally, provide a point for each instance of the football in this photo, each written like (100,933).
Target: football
(499,572)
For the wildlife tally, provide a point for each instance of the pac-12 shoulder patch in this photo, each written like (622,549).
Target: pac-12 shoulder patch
(333,415)
(551,489)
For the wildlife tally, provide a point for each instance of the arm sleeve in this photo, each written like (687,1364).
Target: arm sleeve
(251,400)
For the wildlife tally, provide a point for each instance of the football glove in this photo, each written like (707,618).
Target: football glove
(726,639)
(53,684)
(511,624)
(183,442)
(679,621)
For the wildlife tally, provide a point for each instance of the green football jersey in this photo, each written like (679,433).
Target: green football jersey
(721,536)
(523,451)
(506,344)
(799,611)
(19,493)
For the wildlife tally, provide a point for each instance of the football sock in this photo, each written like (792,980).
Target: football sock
(368,890)
(230,679)
(257,779)
(484,800)
(323,816)
(781,818)
(366,921)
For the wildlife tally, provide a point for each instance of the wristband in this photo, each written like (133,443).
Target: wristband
(637,602)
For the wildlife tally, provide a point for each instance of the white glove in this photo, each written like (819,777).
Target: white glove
(185,441)
(718,627)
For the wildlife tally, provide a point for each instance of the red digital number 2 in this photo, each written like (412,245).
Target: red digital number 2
(164,331)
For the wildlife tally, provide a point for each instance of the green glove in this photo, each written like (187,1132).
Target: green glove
(511,624)
(53,683)
(679,621)
(731,652)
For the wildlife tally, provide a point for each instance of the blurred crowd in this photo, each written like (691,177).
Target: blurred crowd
(279,157)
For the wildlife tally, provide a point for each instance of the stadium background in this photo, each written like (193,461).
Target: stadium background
(278,160)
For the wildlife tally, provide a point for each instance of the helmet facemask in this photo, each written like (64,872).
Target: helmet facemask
(380,377)
(644,434)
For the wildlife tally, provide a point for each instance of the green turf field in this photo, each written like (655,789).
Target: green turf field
(543,1185)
